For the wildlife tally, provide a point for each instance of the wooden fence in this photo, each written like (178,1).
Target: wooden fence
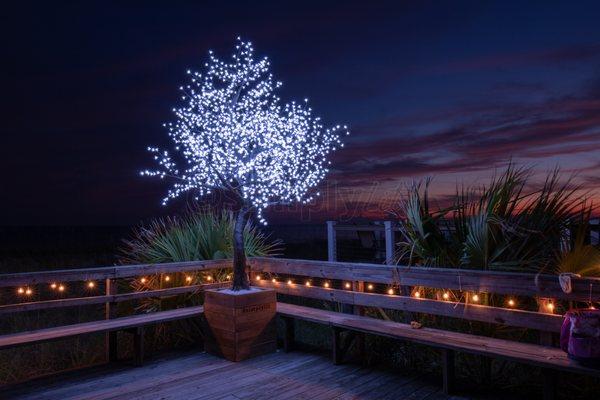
(355,284)
(109,275)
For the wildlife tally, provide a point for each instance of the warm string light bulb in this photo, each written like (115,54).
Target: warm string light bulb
(446,295)
(274,280)
(511,303)
(143,280)
(390,291)
(21,290)
(61,288)
(475,298)
(290,282)
(188,278)
(417,294)
(241,143)
(307,283)
(209,278)
(326,284)
(53,286)
(550,306)
(370,286)
(167,278)
(28,291)
(258,277)
(347,285)
(91,284)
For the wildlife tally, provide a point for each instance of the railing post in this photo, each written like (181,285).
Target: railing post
(448,371)
(288,334)
(389,242)
(110,310)
(546,338)
(331,241)
(359,286)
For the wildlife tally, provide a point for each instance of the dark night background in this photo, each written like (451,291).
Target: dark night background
(444,89)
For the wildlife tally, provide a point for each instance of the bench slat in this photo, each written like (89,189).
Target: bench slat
(44,335)
(532,354)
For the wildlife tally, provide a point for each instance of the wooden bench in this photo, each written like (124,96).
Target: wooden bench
(551,359)
(535,301)
(133,324)
(103,291)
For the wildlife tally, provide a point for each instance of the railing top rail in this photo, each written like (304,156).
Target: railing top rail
(510,283)
(113,272)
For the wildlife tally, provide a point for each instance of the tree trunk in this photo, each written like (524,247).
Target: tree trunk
(240,275)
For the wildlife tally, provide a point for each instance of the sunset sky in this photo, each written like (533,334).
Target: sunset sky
(451,90)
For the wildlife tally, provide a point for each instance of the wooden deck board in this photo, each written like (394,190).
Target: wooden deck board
(200,376)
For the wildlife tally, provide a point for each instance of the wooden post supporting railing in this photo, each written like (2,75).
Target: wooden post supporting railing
(110,311)
(546,306)
(389,242)
(390,260)
(331,241)
(359,286)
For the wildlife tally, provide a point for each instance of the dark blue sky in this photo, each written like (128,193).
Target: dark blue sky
(451,90)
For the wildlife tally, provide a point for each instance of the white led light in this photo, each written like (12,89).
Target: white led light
(233,133)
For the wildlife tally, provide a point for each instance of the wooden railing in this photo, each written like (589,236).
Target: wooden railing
(585,290)
(108,275)
(342,282)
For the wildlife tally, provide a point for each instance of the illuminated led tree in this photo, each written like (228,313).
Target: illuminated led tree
(234,136)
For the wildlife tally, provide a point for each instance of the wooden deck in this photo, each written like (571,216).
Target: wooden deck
(296,375)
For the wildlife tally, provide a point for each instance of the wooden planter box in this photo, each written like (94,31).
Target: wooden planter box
(240,325)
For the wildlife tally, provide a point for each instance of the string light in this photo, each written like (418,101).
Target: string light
(326,284)
(143,280)
(28,291)
(232,128)
(446,295)
(61,288)
(209,278)
(91,285)
(417,294)
(511,302)
(307,283)
(228,276)
(550,306)
(390,291)
(274,280)
(290,282)
(475,298)
(258,277)
(20,290)
(167,278)
(347,285)
(370,286)
(53,286)
(188,278)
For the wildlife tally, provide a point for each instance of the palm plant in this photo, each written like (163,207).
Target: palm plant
(196,235)
(423,241)
(502,226)
(581,258)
